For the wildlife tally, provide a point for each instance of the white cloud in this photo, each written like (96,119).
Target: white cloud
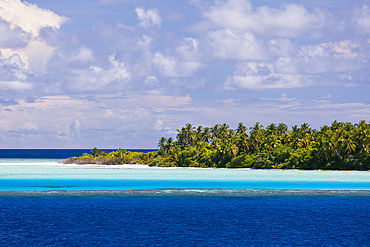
(15,85)
(29,126)
(184,61)
(29,17)
(95,77)
(151,81)
(234,44)
(189,49)
(35,55)
(148,18)
(25,22)
(12,38)
(170,66)
(12,75)
(292,66)
(343,49)
(334,57)
(252,75)
(291,20)
(166,65)
(115,120)
(83,55)
(362,19)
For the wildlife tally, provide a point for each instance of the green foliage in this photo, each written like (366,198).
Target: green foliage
(242,161)
(113,158)
(341,146)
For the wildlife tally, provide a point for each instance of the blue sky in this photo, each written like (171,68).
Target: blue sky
(123,73)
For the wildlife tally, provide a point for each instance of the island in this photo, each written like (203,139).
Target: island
(340,146)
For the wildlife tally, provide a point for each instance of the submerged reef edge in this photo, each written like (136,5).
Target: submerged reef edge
(190,192)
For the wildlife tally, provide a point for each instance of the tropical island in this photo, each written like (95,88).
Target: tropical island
(341,146)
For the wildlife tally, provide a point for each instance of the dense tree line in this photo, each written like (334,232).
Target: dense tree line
(341,146)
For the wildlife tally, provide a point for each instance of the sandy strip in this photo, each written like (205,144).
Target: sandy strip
(190,192)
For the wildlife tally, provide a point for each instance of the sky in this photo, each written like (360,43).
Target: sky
(123,73)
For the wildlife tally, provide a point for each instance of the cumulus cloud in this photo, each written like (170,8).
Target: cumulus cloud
(148,18)
(252,75)
(292,66)
(184,61)
(35,55)
(25,22)
(170,67)
(234,44)
(166,64)
(95,78)
(362,19)
(334,57)
(12,75)
(12,38)
(291,20)
(83,55)
(29,17)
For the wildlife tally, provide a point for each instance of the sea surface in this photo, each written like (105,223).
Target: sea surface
(46,203)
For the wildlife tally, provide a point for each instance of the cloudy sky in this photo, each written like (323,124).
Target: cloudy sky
(123,73)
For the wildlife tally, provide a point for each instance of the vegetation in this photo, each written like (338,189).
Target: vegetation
(114,158)
(341,146)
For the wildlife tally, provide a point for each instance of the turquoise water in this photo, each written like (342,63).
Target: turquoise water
(47,175)
(13,161)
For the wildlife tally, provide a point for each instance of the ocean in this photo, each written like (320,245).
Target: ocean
(46,203)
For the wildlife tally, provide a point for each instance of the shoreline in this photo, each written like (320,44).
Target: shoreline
(142,166)
(191,192)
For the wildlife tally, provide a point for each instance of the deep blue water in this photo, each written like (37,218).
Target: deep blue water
(184,221)
(53,153)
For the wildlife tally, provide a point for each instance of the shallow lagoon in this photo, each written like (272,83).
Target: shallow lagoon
(56,176)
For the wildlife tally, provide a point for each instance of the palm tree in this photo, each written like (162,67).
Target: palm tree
(241,129)
(231,150)
(347,144)
(271,142)
(256,136)
(224,130)
(215,130)
(198,135)
(96,152)
(189,134)
(199,130)
(161,144)
(120,154)
(271,129)
(282,128)
(283,133)
(243,143)
(206,135)
(169,145)
(364,140)
(181,137)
